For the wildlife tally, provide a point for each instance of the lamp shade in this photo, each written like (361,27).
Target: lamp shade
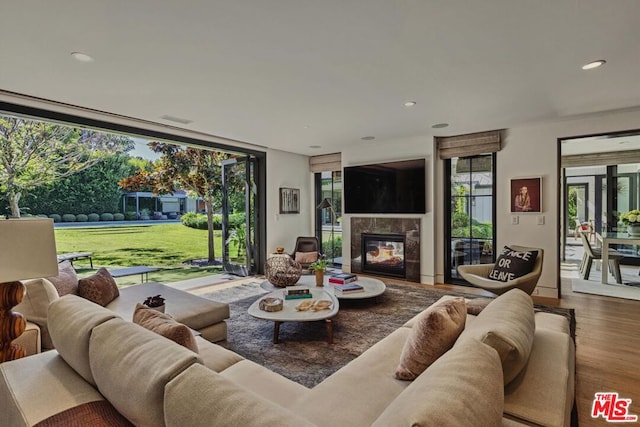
(27,249)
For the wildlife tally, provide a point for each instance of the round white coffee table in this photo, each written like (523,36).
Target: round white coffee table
(290,314)
(372,287)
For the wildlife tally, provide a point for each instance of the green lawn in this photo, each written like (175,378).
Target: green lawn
(164,245)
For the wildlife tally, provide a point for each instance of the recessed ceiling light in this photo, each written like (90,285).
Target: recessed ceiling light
(368,138)
(410,103)
(315,146)
(307,126)
(594,64)
(82,57)
(440,125)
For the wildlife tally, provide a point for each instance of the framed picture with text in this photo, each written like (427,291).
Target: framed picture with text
(289,200)
(526,194)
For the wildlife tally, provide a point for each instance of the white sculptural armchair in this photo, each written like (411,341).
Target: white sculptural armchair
(478,275)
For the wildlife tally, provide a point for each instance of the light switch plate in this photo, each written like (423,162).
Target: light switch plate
(540,219)
(514,220)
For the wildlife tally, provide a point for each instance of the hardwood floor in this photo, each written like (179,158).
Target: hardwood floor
(607,347)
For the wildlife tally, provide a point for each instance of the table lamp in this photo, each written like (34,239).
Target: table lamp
(27,251)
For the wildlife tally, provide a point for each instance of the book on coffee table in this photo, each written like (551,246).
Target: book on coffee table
(298,296)
(342,278)
(349,288)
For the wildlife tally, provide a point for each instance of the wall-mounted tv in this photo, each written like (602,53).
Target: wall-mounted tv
(392,187)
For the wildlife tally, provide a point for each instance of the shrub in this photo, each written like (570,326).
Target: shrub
(106,217)
(194,220)
(337,247)
(55,217)
(42,216)
(118,217)
(130,215)
(82,218)
(68,218)
(93,217)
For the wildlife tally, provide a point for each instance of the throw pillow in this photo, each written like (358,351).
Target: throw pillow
(306,257)
(99,288)
(165,325)
(98,413)
(476,305)
(512,264)
(66,282)
(433,333)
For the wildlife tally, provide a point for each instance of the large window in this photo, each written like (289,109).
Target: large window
(469,235)
(329,214)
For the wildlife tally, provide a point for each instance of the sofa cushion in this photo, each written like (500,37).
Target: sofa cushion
(194,311)
(132,366)
(306,257)
(36,387)
(201,397)
(99,288)
(434,332)
(359,391)
(464,387)
(66,282)
(100,413)
(512,264)
(542,394)
(507,324)
(71,320)
(35,303)
(165,325)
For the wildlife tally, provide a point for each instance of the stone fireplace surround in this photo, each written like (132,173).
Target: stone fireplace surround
(409,227)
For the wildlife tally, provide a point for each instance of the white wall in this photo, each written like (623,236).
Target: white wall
(533,151)
(527,151)
(399,149)
(290,171)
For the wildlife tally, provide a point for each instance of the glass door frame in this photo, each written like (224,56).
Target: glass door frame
(448,261)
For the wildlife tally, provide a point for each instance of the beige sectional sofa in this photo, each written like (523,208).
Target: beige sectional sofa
(201,314)
(153,381)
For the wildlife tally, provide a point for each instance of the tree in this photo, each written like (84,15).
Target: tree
(93,190)
(184,168)
(35,153)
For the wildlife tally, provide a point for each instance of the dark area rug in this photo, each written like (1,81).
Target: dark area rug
(303,354)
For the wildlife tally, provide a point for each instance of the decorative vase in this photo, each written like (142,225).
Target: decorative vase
(633,229)
(159,308)
(319,277)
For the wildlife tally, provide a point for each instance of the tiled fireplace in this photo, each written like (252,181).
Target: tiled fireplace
(386,247)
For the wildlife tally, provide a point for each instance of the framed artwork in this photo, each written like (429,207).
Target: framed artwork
(289,200)
(526,194)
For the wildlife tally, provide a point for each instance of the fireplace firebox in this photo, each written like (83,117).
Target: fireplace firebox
(384,254)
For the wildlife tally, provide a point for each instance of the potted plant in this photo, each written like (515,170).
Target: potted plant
(319,267)
(156,302)
(632,220)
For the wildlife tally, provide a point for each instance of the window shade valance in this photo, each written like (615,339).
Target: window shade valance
(471,144)
(326,162)
(601,159)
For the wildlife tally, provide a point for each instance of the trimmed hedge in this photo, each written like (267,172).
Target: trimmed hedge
(68,218)
(93,217)
(118,217)
(130,215)
(106,217)
(55,217)
(199,220)
(82,218)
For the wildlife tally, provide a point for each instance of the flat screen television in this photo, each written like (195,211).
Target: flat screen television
(392,187)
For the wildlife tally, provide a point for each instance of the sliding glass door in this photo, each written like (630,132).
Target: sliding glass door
(470,231)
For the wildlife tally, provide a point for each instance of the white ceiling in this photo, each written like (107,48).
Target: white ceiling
(293,74)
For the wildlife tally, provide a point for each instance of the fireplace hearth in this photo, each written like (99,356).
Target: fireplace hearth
(384,254)
(403,234)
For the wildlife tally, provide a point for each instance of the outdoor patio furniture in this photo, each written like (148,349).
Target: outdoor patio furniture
(142,270)
(73,256)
